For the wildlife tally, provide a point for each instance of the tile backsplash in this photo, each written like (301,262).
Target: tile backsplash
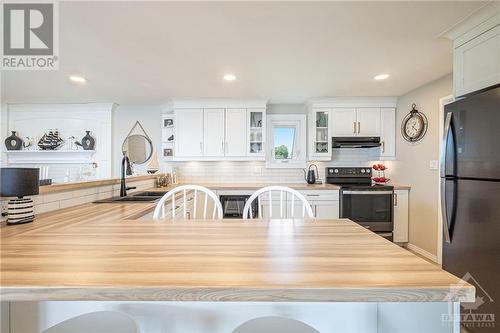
(256,171)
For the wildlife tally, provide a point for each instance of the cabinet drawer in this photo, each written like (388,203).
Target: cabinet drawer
(320,195)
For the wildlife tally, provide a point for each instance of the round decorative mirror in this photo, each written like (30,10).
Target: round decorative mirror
(138,148)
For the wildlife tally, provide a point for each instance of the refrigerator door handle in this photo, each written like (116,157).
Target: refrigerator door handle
(444,214)
(447,125)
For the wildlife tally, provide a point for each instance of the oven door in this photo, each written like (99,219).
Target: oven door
(372,209)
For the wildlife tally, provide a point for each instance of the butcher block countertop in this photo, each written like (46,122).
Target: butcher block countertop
(256,186)
(100,252)
(61,187)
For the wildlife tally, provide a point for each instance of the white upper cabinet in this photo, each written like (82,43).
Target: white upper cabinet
(189,133)
(368,121)
(236,133)
(356,121)
(351,117)
(213,134)
(388,133)
(216,130)
(344,122)
(477,63)
(320,134)
(476,56)
(256,132)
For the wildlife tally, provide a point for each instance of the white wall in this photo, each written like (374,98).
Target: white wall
(124,118)
(412,164)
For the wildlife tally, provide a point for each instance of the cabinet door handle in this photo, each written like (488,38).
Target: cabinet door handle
(312,195)
(359,127)
(395,199)
(226,147)
(383,146)
(354,127)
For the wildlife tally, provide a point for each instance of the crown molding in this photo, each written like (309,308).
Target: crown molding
(359,102)
(213,103)
(478,22)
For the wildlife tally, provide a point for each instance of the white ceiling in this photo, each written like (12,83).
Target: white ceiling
(148,52)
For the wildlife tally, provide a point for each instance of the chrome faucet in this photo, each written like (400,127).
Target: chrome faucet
(126,169)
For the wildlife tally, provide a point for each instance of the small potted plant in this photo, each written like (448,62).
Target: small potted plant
(380,174)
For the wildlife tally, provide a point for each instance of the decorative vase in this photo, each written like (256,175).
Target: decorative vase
(88,142)
(13,142)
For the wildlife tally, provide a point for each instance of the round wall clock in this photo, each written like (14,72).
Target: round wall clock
(414,125)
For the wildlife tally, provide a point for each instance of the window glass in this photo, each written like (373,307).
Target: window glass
(284,141)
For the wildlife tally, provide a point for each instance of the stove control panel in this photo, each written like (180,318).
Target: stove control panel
(348,172)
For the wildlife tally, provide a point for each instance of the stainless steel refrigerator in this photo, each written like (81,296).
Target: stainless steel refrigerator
(470,182)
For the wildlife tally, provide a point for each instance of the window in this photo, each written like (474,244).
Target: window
(286,147)
(284,140)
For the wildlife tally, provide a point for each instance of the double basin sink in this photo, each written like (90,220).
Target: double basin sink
(145,196)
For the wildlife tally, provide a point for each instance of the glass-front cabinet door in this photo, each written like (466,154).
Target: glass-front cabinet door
(320,134)
(256,132)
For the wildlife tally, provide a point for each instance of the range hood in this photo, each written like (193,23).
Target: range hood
(356,142)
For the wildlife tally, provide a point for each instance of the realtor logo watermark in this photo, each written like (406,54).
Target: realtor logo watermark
(472,314)
(30,35)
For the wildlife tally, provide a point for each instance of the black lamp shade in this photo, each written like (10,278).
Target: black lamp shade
(19,182)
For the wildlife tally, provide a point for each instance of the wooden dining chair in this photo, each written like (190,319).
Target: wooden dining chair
(183,191)
(99,321)
(283,192)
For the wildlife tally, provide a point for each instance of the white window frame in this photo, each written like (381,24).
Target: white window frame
(299,158)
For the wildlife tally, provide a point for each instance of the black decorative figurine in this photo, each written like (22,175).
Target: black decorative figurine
(88,142)
(13,142)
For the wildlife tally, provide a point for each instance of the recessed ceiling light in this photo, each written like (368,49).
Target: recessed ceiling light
(78,79)
(381,77)
(229,77)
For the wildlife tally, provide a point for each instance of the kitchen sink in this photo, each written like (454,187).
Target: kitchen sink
(135,198)
(150,194)
(144,196)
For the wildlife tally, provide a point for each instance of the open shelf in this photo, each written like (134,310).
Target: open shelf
(49,156)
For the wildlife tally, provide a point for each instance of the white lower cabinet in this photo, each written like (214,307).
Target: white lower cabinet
(273,208)
(401,216)
(325,209)
(324,204)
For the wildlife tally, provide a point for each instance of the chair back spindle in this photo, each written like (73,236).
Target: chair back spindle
(283,193)
(181,193)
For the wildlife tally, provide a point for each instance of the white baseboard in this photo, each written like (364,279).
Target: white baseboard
(422,252)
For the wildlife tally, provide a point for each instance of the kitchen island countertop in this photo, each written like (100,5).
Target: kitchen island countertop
(100,252)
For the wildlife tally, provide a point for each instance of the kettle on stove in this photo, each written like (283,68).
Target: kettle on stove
(311,176)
